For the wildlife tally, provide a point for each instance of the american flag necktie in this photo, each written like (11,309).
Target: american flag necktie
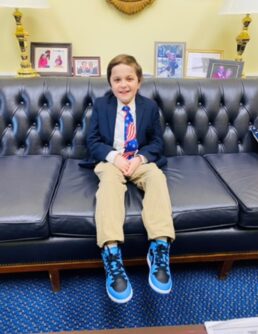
(130,141)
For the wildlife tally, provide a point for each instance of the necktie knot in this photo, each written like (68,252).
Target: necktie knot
(126,108)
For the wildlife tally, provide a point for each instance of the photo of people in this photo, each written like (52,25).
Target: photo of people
(222,73)
(224,69)
(44,58)
(169,60)
(86,66)
(51,58)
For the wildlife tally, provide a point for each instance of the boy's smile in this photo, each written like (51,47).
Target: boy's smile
(124,83)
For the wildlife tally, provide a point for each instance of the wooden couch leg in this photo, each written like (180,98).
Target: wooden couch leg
(54,276)
(225,268)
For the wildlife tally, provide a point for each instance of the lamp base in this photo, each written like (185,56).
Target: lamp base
(26,69)
(27,73)
(243,38)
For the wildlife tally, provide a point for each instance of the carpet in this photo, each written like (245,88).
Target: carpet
(28,305)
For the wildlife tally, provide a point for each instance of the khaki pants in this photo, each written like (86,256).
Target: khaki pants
(110,208)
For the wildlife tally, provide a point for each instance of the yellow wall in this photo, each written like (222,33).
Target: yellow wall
(96,28)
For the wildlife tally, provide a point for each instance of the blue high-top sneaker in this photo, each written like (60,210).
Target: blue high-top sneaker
(158,261)
(118,286)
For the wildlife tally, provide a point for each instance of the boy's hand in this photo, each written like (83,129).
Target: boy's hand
(121,163)
(133,165)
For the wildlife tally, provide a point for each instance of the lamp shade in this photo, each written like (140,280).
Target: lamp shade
(230,7)
(24,3)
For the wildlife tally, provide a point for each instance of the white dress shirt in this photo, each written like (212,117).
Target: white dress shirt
(120,130)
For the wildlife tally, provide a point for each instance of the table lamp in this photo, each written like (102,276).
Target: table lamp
(26,69)
(247,7)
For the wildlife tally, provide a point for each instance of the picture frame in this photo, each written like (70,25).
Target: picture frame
(224,69)
(86,66)
(169,59)
(51,59)
(197,61)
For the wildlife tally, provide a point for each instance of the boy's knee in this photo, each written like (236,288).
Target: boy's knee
(110,173)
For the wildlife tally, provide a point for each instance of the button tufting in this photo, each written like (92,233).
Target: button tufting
(67,104)
(9,125)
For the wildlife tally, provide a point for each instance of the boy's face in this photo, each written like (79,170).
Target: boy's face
(124,82)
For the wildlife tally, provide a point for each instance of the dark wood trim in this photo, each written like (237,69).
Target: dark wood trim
(54,268)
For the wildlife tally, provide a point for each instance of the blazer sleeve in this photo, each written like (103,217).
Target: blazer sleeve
(98,149)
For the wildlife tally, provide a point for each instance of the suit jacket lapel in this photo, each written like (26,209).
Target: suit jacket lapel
(139,110)
(111,116)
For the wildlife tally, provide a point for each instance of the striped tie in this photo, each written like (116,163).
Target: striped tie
(131,143)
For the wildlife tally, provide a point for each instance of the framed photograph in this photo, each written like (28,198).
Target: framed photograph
(197,62)
(51,59)
(86,66)
(169,59)
(224,69)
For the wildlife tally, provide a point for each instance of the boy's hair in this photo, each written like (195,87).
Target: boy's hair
(126,60)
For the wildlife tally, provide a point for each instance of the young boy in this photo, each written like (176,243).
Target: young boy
(125,140)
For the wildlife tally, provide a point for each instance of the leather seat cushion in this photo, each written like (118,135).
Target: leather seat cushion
(26,188)
(200,200)
(72,212)
(73,208)
(240,172)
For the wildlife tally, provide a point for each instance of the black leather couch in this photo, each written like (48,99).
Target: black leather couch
(47,201)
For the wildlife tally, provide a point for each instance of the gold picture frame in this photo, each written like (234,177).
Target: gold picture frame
(130,6)
(197,61)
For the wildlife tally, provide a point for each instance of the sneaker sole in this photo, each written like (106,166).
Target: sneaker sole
(163,292)
(120,301)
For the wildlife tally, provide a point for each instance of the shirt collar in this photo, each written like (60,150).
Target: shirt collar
(131,105)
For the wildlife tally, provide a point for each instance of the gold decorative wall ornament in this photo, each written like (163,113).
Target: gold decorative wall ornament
(130,6)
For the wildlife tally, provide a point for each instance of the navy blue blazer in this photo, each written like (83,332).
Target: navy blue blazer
(101,131)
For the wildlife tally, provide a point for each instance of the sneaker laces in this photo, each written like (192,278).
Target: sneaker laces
(161,257)
(114,266)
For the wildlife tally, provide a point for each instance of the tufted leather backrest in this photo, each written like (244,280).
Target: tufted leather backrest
(51,115)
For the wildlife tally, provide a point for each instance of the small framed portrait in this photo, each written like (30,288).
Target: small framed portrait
(169,59)
(86,66)
(197,62)
(52,59)
(224,69)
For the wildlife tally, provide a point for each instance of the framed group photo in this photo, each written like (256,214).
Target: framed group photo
(86,66)
(197,61)
(52,58)
(169,59)
(224,69)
